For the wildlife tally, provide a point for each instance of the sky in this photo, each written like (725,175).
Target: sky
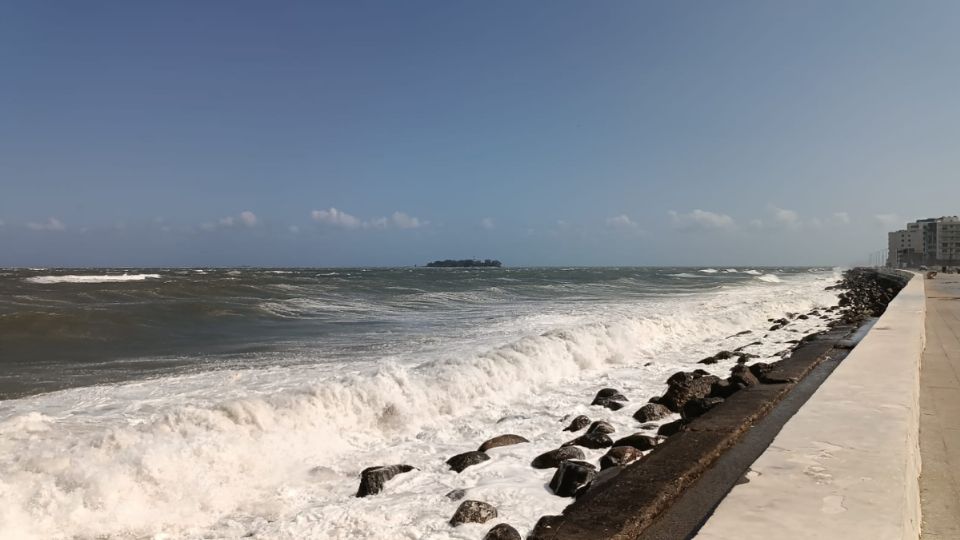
(358,133)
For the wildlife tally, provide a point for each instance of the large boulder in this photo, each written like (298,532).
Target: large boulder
(460,462)
(473,512)
(610,393)
(372,479)
(502,532)
(554,458)
(618,456)
(571,476)
(698,407)
(502,440)
(601,426)
(671,428)
(742,377)
(609,403)
(687,386)
(578,423)
(651,412)
(591,440)
(639,441)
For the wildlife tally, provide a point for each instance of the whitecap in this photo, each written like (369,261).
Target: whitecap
(109,278)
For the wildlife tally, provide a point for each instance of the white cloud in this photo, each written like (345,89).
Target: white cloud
(701,220)
(248,218)
(785,217)
(890,220)
(621,222)
(403,221)
(486,223)
(343,220)
(756,223)
(226,222)
(52,224)
(841,218)
(336,218)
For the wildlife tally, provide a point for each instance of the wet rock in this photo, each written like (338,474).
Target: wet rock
(649,425)
(473,512)
(591,440)
(571,476)
(751,344)
(670,428)
(655,399)
(743,333)
(502,532)
(651,412)
(372,479)
(553,458)
(612,404)
(803,317)
(456,494)
(698,407)
(723,389)
(619,456)
(502,440)
(760,370)
(602,477)
(578,423)
(709,360)
(741,377)
(460,462)
(639,441)
(687,386)
(601,427)
(610,393)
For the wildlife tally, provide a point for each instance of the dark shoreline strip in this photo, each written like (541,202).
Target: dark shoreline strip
(659,497)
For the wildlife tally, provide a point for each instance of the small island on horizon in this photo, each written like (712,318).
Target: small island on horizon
(465,263)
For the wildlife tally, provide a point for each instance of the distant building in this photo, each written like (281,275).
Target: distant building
(930,241)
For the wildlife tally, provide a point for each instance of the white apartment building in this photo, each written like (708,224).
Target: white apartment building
(932,241)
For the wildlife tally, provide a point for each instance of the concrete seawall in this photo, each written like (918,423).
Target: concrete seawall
(847,464)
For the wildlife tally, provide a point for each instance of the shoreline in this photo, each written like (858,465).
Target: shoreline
(667,494)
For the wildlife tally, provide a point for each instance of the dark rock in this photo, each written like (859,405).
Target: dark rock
(610,393)
(456,494)
(571,476)
(698,407)
(601,427)
(743,333)
(670,428)
(803,317)
(612,404)
(473,512)
(639,441)
(502,532)
(742,377)
(651,412)
(553,458)
(723,389)
(689,386)
(591,440)
(723,355)
(655,399)
(460,462)
(372,479)
(708,360)
(619,456)
(760,370)
(738,349)
(578,423)
(649,425)
(502,440)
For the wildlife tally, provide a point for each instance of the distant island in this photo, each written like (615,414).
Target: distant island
(464,263)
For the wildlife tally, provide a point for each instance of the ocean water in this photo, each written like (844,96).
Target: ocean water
(243,403)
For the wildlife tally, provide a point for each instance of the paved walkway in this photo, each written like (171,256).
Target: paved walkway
(940,411)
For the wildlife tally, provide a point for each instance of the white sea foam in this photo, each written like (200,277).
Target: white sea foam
(275,453)
(752,272)
(769,278)
(709,270)
(731,270)
(110,278)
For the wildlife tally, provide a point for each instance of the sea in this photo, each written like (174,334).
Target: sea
(207,403)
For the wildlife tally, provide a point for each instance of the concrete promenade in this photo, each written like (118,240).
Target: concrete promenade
(940,411)
(847,465)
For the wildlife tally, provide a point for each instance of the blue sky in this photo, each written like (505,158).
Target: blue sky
(539,133)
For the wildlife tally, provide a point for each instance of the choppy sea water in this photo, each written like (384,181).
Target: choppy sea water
(229,403)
